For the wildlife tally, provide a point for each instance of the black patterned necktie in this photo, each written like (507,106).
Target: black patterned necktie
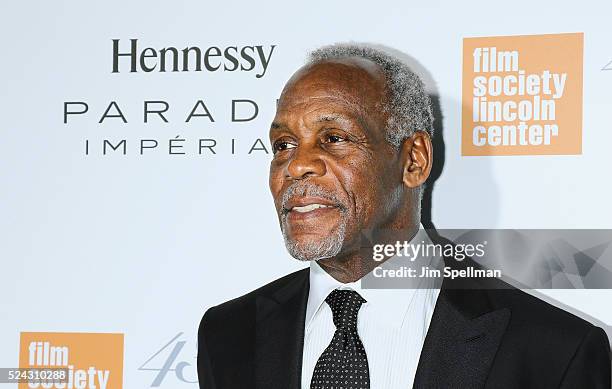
(344,363)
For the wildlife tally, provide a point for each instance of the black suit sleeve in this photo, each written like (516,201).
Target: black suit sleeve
(590,365)
(205,373)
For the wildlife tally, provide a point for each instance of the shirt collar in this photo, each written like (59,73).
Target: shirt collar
(390,304)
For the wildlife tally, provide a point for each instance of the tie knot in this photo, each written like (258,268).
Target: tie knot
(345,305)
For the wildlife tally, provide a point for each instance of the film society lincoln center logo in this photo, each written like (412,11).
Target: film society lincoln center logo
(522,95)
(92,360)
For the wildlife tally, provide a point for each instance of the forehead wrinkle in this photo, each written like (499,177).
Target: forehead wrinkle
(339,97)
(358,116)
(359,80)
(333,107)
(343,90)
(326,114)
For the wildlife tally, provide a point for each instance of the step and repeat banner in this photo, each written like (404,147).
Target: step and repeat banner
(135,157)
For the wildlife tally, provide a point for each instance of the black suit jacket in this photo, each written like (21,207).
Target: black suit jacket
(478,338)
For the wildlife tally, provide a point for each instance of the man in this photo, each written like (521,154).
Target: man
(352,150)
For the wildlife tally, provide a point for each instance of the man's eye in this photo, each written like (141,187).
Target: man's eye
(335,139)
(283,145)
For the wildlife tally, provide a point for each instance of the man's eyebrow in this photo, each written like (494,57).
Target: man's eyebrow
(278,126)
(331,118)
(335,117)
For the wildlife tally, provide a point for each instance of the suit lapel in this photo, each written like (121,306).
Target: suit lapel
(461,343)
(462,340)
(280,335)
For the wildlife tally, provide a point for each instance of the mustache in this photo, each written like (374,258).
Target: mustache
(301,189)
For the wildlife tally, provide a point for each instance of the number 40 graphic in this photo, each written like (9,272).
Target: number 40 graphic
(169,364)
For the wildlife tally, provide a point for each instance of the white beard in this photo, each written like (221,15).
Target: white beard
(313,250)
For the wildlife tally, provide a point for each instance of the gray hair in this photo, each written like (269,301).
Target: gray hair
(408,105)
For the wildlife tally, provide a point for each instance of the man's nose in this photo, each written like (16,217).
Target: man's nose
(306,162)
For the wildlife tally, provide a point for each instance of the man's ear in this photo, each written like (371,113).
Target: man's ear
(417,156)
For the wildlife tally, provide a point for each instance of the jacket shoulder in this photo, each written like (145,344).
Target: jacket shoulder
(226,337)
(528,312)
(242,308)
(549,345)
(538,315)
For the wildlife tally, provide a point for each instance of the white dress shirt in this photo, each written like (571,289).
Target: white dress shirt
(392,325)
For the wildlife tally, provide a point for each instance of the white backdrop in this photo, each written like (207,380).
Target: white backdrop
(142,245)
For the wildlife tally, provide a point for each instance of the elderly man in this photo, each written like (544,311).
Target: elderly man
(352,150)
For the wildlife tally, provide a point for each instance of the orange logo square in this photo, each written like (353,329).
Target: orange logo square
(522,95)
(92,360)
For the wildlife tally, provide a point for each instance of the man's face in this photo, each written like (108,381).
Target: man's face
(333,173)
